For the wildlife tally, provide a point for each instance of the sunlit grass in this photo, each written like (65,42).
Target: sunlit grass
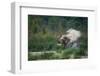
(60,54)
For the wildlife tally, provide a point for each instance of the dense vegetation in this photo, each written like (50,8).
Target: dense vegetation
(43,32)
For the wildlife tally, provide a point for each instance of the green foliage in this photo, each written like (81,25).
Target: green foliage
(43,32)
(69,53)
